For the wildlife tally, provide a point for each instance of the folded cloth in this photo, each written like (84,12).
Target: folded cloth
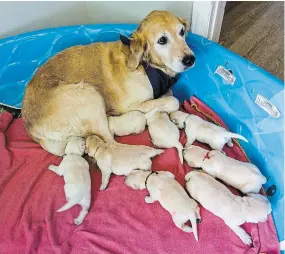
(119,220)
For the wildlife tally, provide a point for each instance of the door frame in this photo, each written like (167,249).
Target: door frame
(207,18)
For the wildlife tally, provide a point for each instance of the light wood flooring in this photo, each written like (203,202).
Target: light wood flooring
(255,30)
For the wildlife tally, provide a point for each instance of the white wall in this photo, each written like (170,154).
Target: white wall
(134,12)
(20,17)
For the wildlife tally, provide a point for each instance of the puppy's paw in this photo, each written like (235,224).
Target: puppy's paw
(77,221)
(246,239)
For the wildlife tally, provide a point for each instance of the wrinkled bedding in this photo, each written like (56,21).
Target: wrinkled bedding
(119,220)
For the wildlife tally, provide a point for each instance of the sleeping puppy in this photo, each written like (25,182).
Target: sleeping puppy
(171,195)
(219,200)
(243,176)
(132,122)
(163,133)
(119,159)
(203,131)
(75,171)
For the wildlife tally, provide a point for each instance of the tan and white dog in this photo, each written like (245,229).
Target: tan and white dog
(163,133)
(219,200)
(243,176)
(170,194)
(73,92)
(119,159)
(75,171)
(203,131)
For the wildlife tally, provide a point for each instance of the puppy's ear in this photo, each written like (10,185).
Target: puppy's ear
(183,22)
(138,47)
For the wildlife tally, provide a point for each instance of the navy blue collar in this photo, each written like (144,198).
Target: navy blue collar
(159,80)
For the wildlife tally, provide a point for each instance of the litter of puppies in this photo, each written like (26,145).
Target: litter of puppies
(134,162)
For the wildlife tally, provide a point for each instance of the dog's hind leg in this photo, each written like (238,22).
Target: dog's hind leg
(240,232)
(85,203)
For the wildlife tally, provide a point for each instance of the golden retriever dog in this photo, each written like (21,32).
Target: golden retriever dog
(75,91)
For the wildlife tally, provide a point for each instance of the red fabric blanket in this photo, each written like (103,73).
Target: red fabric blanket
(119,220)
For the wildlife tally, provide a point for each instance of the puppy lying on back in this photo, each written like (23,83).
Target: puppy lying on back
(243,176)
(75,171)
(132,122)
(119,159)
(170,194)
(163,133)
(219,200)
(203,131)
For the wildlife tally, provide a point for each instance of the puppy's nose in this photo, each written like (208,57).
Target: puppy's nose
(188,60)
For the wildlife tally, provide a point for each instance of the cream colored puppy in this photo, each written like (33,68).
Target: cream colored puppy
(243,176)
(219,200)
(203,131)
(132,122)
(119,159)
(75,171)
(163,133)
(170,194)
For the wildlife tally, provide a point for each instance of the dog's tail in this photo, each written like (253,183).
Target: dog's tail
(235,135)
(179,148)
(68,205)
(193,220)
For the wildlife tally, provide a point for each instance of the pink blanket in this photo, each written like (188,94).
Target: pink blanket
(119,220)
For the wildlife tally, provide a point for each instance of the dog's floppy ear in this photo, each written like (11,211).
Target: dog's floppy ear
(138,47)
(183,22)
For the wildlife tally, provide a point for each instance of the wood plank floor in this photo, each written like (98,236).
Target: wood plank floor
(255,30)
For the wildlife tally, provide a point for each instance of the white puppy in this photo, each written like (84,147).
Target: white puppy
(243,176)
(75,171)
(163,133)
(203,131)
(119,159)
(132,122)
(219,200)
(171,195)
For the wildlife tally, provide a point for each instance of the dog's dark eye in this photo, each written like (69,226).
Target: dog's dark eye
(162,40)
(182,32)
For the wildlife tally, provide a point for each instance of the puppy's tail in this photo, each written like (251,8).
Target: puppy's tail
(68,205)
(179,148)
(235,135)
(193,220)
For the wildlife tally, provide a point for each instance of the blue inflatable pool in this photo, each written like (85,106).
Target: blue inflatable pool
(248,99)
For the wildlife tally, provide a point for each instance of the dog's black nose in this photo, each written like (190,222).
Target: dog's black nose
(198,221)
(188,60)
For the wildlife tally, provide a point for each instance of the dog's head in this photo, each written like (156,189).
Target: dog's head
(160,41)
(92,144)
(178,118)
(194,156)
(136,179)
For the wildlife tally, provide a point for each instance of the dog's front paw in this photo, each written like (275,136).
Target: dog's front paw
(172,105)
